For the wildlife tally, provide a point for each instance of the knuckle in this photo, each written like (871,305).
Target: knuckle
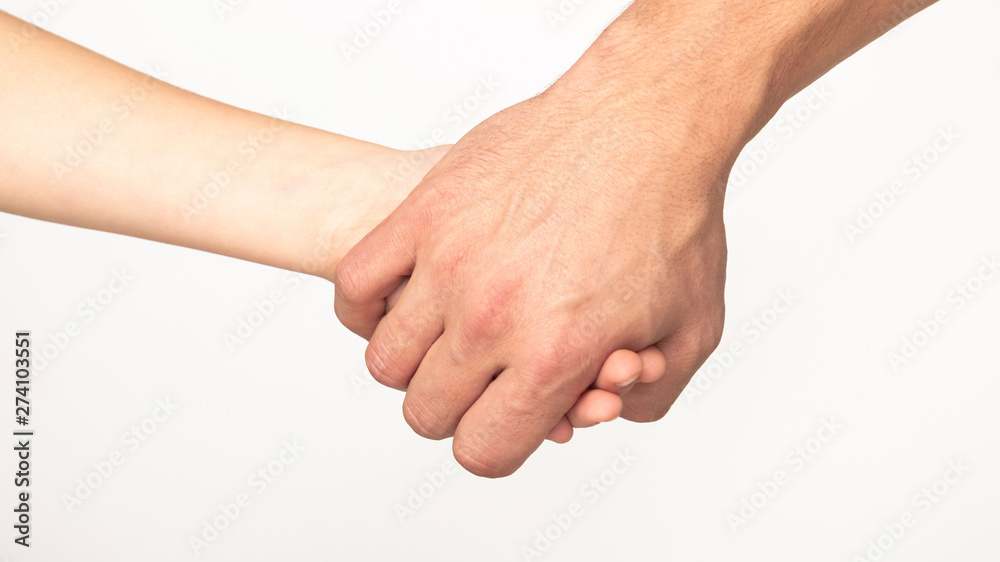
(474,456)
(646,413)
(710,333)
(557,354)
(383,365)
(688,353)
(349,279)
(550,356)
(425,420)
(548,379)
(489,311)
(459,352)
(699,339)
(647,405)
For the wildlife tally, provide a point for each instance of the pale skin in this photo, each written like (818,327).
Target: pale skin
(142,154)
(584,220)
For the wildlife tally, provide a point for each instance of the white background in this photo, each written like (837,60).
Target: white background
(301,376)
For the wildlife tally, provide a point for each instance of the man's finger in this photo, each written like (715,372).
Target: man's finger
(371,271)
(562,432)
(445,386)
(593,407)
(512,417)
(403,336)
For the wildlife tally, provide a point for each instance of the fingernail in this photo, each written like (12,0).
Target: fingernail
(629,382)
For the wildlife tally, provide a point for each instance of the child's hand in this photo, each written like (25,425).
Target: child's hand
(622,370)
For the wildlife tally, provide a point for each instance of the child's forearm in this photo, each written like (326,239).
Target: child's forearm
(88,142)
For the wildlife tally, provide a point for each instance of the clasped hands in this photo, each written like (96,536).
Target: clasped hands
(562,264)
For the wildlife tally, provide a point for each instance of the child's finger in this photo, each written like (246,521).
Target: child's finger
(595,406)
(654,364)
(620,369)
(562,432)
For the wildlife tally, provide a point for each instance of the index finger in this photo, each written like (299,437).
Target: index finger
(371,272)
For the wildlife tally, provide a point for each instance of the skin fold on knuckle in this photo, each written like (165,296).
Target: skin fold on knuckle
(556,361)
(425,420)
(706,334)
(481,457)
(349,279)
(380,358)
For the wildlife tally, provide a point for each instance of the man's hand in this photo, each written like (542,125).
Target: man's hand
(556,232)
(581,221)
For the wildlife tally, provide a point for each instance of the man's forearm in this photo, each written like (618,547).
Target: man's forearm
(730,64)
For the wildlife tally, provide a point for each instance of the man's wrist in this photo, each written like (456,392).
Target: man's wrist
(684,81)
(731,64)
(676,64)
